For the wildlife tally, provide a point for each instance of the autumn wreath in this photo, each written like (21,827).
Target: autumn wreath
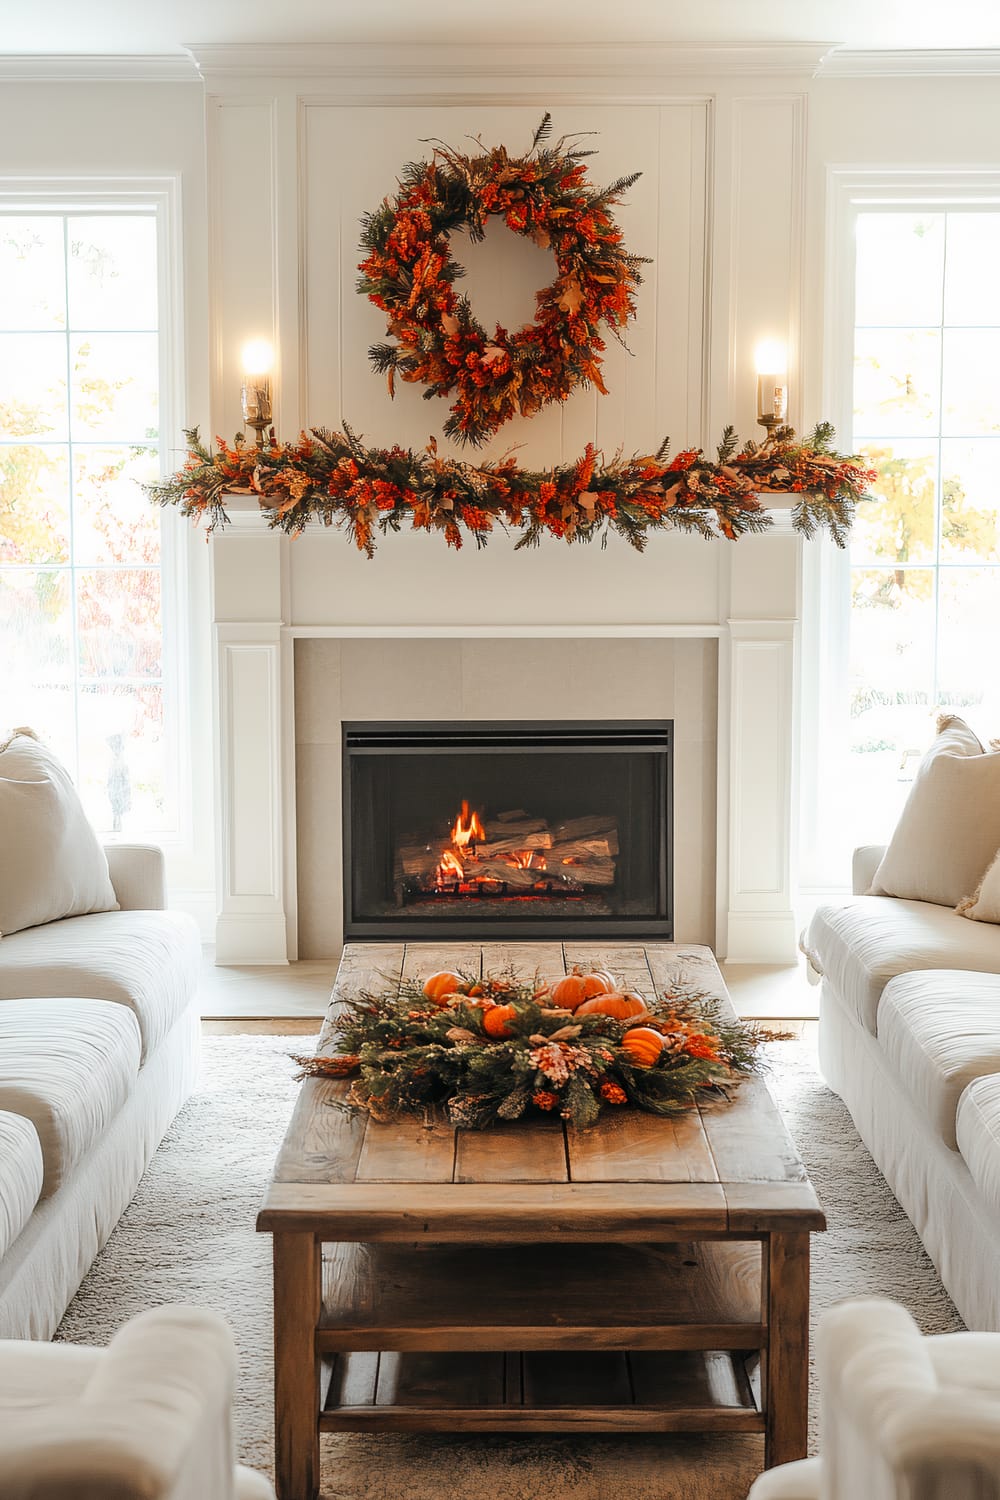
(510,1045)
(410,273)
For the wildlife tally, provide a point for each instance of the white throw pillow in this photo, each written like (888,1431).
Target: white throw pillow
(984,905)
(51,865)
(949,829)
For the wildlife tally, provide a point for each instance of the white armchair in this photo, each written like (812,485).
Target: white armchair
(148,1418)
(902,1417)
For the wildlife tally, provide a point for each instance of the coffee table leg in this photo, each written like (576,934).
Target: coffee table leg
(297,1294)
(785,1297)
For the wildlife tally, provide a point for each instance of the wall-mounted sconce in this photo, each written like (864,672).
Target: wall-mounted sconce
(771,362)
(257,359)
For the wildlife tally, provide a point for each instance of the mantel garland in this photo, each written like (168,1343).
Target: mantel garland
(332,478)
(409,273)
(502,1048)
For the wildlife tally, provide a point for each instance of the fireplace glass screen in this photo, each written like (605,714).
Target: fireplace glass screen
(519,830)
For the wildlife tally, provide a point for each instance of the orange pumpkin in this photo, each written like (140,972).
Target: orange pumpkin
(621,1007)
(643,1045)
(441,984)
(496,1021)
(572,991)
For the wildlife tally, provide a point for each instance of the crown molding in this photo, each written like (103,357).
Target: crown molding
(910,62)
(422,60)
(40,67)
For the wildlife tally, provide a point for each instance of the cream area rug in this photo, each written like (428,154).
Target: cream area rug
(188,1236)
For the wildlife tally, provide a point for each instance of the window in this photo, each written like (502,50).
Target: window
(81,602)
(925,556)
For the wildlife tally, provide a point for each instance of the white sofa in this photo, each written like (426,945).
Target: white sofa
(909,1037)
(99,1040)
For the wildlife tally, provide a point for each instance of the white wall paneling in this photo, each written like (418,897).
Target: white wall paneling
(721,275)
(251,925)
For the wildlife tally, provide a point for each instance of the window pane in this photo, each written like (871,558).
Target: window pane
(970,503)
(972,288)
(115,387)
(892,686)
(896,378)
(32,273)
(900,262)
(968,630)
(118,621)
(899,525)
(80,588)
(969,397)
(36,628)
(122,757)
(34,504)
(32,385)
(113,520)
(112,272)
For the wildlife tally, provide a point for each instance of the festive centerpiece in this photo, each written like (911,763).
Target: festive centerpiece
(510,1046)
(409,273)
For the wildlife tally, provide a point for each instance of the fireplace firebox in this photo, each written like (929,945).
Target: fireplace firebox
(508,830)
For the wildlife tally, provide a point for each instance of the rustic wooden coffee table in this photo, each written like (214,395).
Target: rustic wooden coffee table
(646,1275)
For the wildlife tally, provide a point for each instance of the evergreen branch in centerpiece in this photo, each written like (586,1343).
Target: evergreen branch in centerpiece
(509,1046)
(332,478)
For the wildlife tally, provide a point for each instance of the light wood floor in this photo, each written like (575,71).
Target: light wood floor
(298,992)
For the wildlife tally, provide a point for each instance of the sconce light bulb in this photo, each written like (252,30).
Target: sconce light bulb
(770,357)
(257,357)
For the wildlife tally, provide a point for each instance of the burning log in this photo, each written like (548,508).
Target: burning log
(582,828)
(541,840)
(417,859)
(516,829)
(599,848)
(500,870)
(583,868)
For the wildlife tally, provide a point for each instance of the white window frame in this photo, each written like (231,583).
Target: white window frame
(57,195)
(826,569)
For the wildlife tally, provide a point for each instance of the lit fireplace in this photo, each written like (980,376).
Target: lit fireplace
(513,856)
(520,830)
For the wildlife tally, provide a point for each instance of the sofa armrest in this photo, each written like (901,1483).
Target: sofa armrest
(866,861)
(138,874)
(152,1422)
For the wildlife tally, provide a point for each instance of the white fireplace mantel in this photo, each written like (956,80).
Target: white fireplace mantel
(269,590)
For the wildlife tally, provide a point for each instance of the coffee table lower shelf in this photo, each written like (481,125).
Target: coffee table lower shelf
(542,1391)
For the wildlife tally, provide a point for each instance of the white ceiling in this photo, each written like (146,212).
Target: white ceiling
(164,26)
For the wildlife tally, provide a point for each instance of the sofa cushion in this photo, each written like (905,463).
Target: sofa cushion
(147,960)
(51,865)
(939,1030)
(20,1176)
(860,945)
(978,1133)
(68,1066)
(984,903)
(949,829)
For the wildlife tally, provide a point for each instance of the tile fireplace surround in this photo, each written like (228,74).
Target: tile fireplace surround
(309,634)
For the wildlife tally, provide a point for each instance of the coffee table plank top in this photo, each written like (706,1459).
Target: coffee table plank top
(720,1159)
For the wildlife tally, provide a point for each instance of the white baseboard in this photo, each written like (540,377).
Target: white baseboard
(762,937)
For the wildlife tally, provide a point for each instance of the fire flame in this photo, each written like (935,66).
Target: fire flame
(468,829)
(528,859)
(449,865)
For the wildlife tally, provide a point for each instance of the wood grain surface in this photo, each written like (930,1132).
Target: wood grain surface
(737,1143)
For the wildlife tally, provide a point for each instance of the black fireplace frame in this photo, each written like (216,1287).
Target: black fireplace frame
(360,737)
